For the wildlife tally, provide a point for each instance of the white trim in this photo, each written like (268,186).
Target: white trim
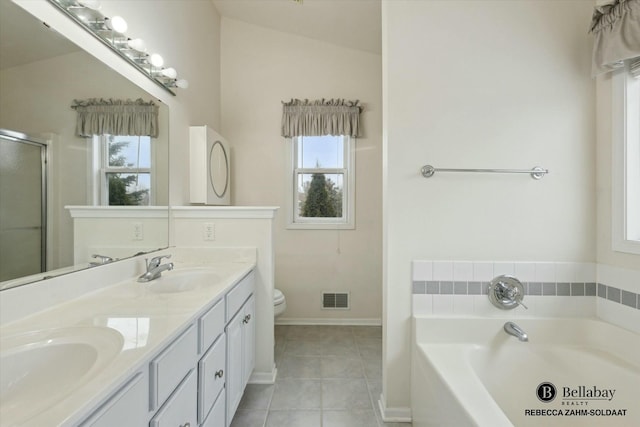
(334,322)
(118,211)
(394,415)
(264,377)
(619,166)
(235,212)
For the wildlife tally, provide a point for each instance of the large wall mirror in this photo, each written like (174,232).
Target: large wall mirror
(41,74)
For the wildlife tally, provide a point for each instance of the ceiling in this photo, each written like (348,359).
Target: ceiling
(24,39)
(354,24)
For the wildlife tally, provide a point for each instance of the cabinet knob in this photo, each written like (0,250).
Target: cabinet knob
(218,374)
(246,319)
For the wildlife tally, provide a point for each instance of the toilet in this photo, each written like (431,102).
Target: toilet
(279,303)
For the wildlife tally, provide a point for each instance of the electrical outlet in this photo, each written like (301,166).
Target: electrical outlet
(209,231)
(138,231)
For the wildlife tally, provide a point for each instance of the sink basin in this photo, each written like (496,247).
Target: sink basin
(40,368)
(183,280)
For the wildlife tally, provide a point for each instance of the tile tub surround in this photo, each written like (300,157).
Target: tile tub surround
(551,289)
(600,290)
(328,376)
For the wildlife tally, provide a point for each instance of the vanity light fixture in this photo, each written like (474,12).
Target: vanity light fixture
(110,31)
(117,24)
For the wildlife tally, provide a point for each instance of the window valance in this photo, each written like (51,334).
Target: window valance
(320,117)
(616,27)
(116,117)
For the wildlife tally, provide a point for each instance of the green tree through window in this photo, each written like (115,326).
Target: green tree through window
(323,198)
(119,195)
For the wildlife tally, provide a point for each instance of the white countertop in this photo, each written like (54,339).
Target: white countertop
(147,321)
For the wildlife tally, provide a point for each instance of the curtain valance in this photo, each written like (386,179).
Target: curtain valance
(320,117)
(616,27)
(116,117)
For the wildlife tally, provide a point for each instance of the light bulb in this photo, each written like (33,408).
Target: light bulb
(182,83)
(118,24)
(156,60)
(91,4)
(137,44)
(169,72)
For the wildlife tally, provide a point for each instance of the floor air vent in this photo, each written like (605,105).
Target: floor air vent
(335,300)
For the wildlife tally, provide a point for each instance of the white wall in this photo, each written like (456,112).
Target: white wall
(488,84)
(260,69)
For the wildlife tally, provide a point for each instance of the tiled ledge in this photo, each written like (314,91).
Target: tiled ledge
(576,289)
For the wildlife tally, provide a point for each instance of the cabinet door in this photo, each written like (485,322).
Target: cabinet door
(248,339)
(181,409)
(127,407)
(211,376)
(216,416)
(234,381)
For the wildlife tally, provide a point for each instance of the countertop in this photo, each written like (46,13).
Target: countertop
(146,321)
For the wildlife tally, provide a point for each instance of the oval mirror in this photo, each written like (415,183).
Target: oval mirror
(219,169)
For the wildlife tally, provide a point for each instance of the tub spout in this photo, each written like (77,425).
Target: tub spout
(515,330)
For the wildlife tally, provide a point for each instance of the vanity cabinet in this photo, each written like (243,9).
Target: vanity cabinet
(123,408)
(240,353)
(199,378)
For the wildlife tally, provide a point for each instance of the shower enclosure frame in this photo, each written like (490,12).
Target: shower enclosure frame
(44,194)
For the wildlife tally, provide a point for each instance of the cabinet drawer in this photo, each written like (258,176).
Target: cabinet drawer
(211,325)
(125,407)
(216,417)
(181,408)
(170,367)
(239,294)
(211,376)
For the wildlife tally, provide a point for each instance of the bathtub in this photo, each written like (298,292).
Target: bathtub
(469,372)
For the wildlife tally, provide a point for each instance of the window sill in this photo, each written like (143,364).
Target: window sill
(627,246)
(317,226)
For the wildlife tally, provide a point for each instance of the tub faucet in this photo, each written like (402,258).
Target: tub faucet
(515,330)
(155,269)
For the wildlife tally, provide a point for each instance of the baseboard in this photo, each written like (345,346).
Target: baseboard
(394,415)
(337,322)
(263,377)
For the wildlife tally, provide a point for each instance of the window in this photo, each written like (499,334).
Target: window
(122,173)
(626,158)
(322,182)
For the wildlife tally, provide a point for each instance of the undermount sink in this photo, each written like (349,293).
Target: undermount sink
(183,280)
(38,369)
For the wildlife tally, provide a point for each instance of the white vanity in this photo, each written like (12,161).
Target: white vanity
(176,351)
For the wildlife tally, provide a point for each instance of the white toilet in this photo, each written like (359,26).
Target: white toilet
(279,302)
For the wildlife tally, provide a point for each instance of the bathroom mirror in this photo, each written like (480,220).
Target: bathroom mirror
(41,74)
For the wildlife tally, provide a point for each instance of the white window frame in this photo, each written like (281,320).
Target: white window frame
(99,168)
(625,162)
(347,221)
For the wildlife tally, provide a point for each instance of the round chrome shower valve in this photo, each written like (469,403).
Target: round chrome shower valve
(506,292)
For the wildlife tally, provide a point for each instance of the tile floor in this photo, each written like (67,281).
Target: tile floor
(328,376)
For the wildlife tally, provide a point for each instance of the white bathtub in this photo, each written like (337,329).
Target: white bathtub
(469,372)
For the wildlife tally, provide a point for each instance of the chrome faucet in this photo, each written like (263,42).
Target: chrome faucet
(101,259)
(515,330)
(155,269)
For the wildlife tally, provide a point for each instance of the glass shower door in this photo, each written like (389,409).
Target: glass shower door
(22,206)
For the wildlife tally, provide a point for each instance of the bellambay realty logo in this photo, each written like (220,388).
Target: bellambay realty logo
(582,401)
(547,392)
